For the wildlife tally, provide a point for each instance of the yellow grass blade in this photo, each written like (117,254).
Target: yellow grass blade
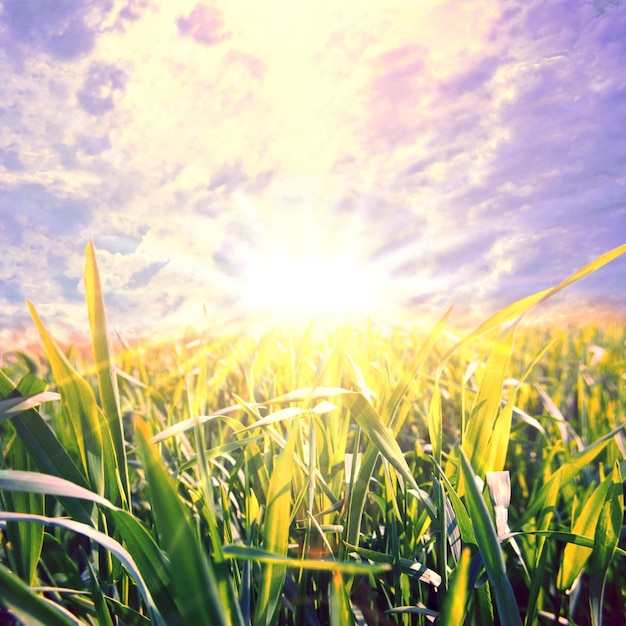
(276,532)
(105,367)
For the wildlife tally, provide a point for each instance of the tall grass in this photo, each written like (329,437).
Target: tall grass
(350,478)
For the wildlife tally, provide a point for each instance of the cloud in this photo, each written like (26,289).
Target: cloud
(60,28)
(205,25)
(104,82)
(34,207)
(143,276)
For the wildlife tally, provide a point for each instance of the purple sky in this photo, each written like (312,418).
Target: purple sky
(397,157)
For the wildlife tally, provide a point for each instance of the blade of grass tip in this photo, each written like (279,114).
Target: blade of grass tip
(276,532)
(105,366)
(26,606)
(520,307)
(79,406)
(455,601)
(606,539)
(195,587)
(489,548)
(575,556)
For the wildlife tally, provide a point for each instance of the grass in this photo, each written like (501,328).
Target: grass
(351,478)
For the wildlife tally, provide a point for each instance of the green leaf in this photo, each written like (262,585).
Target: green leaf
(541,552)
(489,548)
(276,532)
(102,612)
(151,562)
(339,602)
(385,443)
(435,431)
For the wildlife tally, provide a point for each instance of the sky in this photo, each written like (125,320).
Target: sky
(245,160)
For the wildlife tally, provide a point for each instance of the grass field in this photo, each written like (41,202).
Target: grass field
(350,477)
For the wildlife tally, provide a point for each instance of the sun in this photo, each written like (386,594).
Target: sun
(295,278)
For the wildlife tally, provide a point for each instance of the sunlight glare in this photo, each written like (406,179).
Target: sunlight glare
(311,285)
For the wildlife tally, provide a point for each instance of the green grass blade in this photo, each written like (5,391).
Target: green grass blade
(105,368)
(339,603)
(489,548)
(100,607)
(28,607)
(35,482)
(276,532)
(193,580)
(380,435)
(499,441)
(606,538)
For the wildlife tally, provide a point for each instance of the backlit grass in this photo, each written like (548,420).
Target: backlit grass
(353,477)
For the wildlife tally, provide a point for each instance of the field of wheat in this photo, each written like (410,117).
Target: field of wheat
(355,476)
